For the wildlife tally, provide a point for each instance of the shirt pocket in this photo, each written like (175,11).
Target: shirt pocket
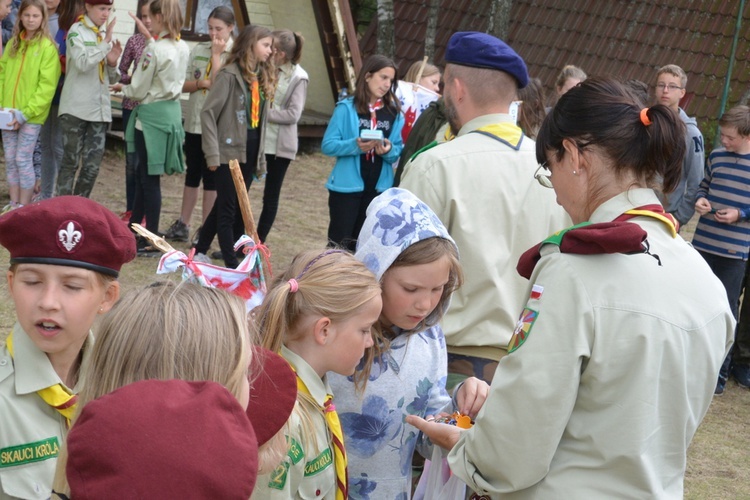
(29,480)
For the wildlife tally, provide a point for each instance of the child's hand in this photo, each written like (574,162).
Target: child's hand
(471,396)
(383,147)
(702,206)
(217,46)
(366,146)
(114,54)
(110,30)
(444,435)
(117,87)
(38,186)
(727,215)
(142,29)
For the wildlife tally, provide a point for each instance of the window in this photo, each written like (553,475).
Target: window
(196,16)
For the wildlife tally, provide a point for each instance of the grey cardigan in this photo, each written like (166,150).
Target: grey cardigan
(286,114)
(224,121)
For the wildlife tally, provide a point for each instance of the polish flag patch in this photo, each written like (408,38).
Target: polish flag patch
(536,292)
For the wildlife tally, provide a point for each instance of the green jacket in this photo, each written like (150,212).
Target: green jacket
(161,122)
(28,79)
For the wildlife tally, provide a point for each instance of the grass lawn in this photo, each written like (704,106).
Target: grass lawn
(718,460)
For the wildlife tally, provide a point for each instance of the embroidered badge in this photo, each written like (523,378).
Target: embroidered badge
(197,74)
(29,452)
(241,116)
(278,476)
(69,236)
(146,60)
(537,291)
(320,463)
(295,450)
(523,329)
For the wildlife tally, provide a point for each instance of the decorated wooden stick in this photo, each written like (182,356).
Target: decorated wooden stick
(155,239)
(244,199)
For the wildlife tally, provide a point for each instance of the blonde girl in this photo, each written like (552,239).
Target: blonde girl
(407,247)
(233,125)
(206,59)
(363,165)
(167,331)
(430,78)
(318,315)
(29,70)
(283,115)
(155,129)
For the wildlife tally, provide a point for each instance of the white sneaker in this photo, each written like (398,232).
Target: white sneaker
(202,257)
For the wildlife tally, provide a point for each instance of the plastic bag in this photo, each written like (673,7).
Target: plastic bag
(438,482)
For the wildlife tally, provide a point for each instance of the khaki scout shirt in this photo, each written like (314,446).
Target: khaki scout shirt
(485,193)
(308,470)
(84,95)
(160,73)
(616,372)
(196,70)
(31,431)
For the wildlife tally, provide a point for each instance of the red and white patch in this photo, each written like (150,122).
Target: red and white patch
(536,292)
(69,236)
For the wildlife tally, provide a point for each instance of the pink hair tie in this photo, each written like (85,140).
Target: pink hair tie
(293,285)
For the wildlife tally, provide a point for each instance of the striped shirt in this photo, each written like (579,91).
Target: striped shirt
(726,185)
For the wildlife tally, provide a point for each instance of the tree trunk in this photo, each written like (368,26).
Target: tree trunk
(499,18)
(433,8)
(386,37)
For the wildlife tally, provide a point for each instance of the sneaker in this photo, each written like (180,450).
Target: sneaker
(741,374)
(719,388)
(217,255)
(202,257)
(145,249)
(196,235)
(178,231)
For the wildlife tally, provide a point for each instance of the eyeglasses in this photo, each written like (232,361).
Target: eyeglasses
(671,87)
(542,176)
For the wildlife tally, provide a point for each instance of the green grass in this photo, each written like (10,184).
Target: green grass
(718,459)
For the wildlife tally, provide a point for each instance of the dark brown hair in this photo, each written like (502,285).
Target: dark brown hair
(373,64)
(68,12)
(223,14)
(532,112)
(739,117)
(601,112)
(290,44)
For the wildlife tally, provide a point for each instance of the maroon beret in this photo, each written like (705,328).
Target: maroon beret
(273,392)
(67,231)
(163,439)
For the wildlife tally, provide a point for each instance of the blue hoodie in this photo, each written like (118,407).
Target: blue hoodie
(340,140)
(409,379)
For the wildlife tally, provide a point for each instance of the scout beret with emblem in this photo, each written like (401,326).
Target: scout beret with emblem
(67,231)
(273,392)
(162,439)
(481,50)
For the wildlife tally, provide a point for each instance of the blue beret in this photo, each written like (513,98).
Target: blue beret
(480,50)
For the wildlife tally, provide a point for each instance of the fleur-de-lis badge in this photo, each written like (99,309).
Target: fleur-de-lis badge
(69,236)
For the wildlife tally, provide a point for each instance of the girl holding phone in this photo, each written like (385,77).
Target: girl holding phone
(363,163)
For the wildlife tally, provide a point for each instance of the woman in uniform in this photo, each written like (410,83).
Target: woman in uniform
(613,362)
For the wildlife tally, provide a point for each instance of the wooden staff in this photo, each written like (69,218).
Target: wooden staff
(244,199)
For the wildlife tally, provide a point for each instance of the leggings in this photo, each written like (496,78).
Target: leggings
(19,154)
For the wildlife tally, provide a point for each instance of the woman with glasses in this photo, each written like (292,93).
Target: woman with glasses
(614,359)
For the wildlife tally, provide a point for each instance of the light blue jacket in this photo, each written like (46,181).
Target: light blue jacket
(340,140)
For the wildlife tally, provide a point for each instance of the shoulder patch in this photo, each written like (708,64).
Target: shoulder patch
(296,453)
(523,329)
(279,476)
(30,452)
(146,60)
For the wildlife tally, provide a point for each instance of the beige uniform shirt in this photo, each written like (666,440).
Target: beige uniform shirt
(485,193)
(84,95)
(160,73)
(308,470)
(31,431)
(616,373)
(196,70)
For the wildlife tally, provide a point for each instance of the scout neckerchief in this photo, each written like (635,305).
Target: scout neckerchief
(57,396)
(337,436)
(370,155)
(655,211)
(99,38)
(506,132)
(586,238)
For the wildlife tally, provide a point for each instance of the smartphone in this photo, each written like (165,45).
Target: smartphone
(371,135)
(6,117)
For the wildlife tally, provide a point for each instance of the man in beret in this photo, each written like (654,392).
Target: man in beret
(481,185)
